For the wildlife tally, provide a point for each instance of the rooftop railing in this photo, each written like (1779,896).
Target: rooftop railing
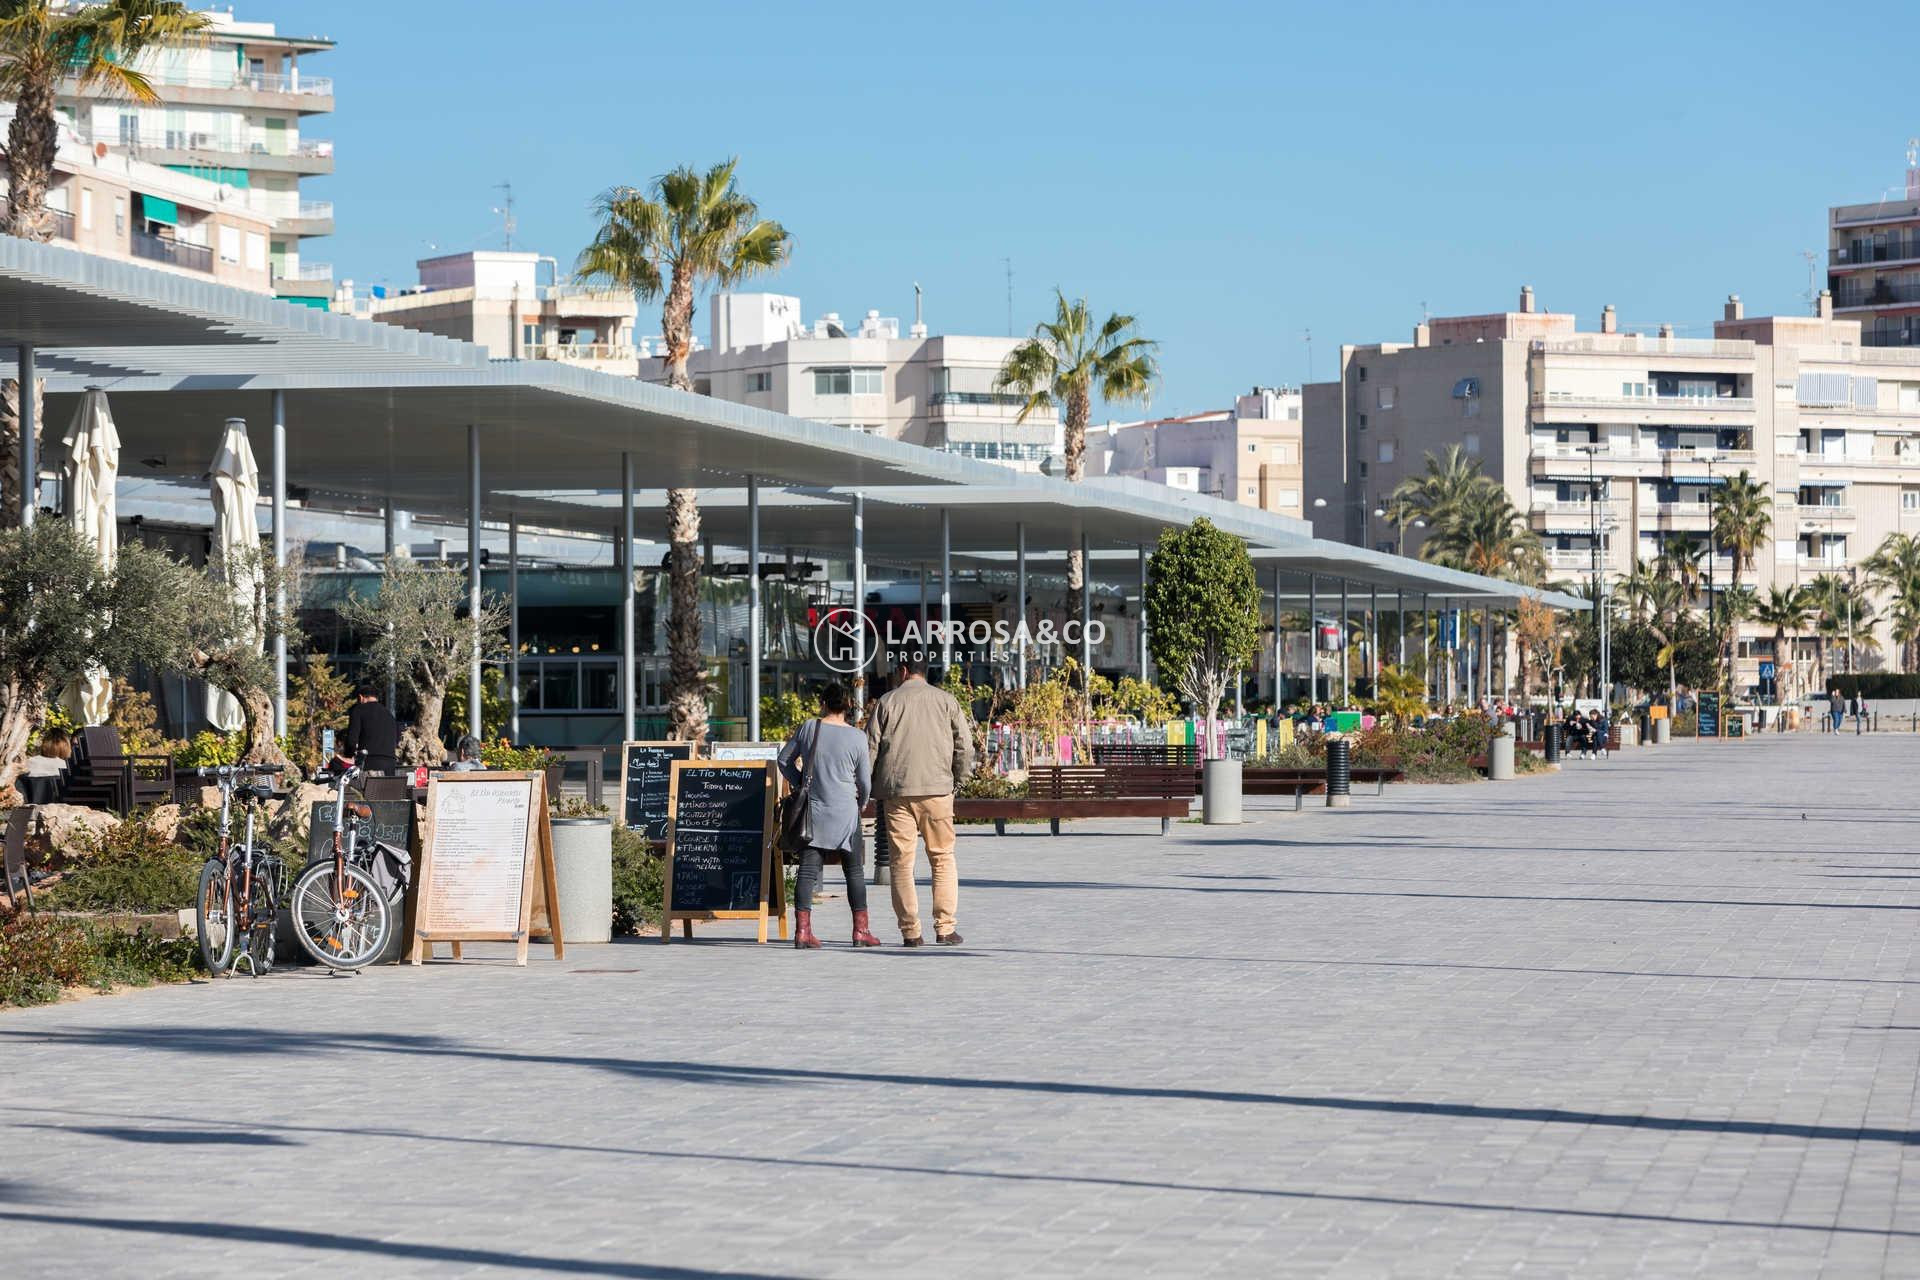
(1641,344)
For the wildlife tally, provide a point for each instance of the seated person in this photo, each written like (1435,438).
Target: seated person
(47,772)
(466,756)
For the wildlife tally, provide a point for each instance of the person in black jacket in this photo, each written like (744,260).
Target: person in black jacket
(371,729)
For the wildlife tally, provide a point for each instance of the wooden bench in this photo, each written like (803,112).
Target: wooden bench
(1300,783)
(1163,791)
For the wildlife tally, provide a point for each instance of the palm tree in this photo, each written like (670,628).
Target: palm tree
(95,44)
(1787,610)
(686,231)
(1742,517)
(1452,478)
(1895,569)
(1483,533)
(1683,560)
(1845,614)
(1064,363)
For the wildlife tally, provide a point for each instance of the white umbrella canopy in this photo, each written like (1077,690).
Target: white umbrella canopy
(235,483)
(93,465)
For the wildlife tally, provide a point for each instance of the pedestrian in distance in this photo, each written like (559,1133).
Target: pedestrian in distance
(1836,708)
(371,730)
(1858,705)
(922,744)
(827,758)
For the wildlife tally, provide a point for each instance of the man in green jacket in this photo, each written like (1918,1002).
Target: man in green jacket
(922,745)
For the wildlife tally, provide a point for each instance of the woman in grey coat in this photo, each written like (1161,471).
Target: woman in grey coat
(828,758)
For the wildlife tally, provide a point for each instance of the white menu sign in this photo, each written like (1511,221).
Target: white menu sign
(479,857)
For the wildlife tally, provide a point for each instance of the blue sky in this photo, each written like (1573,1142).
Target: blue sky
(1234,175)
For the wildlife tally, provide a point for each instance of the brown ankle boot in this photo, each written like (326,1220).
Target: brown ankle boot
(862,934)
(803,930)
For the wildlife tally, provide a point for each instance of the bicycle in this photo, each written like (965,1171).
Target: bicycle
(239,891)
(339,907)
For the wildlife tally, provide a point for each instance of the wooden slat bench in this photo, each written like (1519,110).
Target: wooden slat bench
(1300,783)
(1163,791)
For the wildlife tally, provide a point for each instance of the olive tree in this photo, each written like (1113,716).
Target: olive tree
(418,628)
(1203,614)
(226,642)
(62,612)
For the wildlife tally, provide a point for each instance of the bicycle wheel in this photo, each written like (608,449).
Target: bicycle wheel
(213,916)
(260,916)
(344,929)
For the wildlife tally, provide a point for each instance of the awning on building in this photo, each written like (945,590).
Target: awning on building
(154,209)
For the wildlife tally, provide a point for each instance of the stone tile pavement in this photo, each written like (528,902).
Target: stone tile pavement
(1654,1016)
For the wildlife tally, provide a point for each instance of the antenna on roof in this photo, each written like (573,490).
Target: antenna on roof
(1812,294)
(1308,339)
(505,210)
(1009,266)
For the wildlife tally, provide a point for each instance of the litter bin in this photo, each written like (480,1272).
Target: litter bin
(1220,792)
(1550,737)
(1339,773)
(1663,730)
(583,878)
(1500,755)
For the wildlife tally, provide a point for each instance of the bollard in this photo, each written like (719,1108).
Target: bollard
(882,849)
(1339,773)
(1551,741)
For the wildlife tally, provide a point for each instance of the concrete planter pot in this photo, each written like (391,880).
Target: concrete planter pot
(1220,792)
(1500,755)
(583,868)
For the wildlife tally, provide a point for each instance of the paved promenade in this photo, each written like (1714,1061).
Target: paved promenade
(1658,1016)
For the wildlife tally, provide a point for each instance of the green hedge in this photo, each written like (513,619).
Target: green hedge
(1877,684)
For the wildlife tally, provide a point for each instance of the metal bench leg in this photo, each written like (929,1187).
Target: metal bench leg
(1053,825)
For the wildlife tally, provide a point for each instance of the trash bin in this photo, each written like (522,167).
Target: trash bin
(1550,737)
(1663,730)
(583,875)
(1500,755)
(1339,773)
(1220,792)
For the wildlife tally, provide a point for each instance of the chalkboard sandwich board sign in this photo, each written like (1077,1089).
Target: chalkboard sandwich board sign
(744,750)
(646,772)
(486,850)
(720,863)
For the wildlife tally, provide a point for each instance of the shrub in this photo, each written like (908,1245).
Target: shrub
(128,868)
(39,955)
(501,754)
(780,714)
(207,749)
(116,958)
(1876,684)
(639,881)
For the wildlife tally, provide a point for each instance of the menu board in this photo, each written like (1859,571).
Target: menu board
(646,773)
(392,824)
(486,838)
(719,847)
(1709,726)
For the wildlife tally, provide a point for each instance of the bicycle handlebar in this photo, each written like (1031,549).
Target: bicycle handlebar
(237,770)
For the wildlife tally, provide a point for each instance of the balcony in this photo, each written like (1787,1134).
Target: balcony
(1681,516)
(1881,293)
(1909,337)
(1724,462)
(306,272)
(588,355)
(1869,252)
(1568,462)
(315,218)
(1641,344)
(236,88)
(946,406)
(1577,559)
(219,150)
(175,253)
(1820,515)
(1650,408)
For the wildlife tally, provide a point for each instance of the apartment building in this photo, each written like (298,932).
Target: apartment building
(516,306)
(1250,454)
(1613,440)
(1873,266)
(233,110)
(118,207)
(931,390)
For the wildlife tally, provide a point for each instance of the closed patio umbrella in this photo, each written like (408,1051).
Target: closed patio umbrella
(93,465)
(235,483)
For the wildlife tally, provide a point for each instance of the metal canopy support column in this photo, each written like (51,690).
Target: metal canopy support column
(29,494)
(1086,613)
(279,548)
(1486,651)
(1373,639)
(946,592)
(625,558)
(473,574)
(1279,648)
(859,602)
(753,609)
(1426,650)
(1400,629)
(513,627)
(1143,614)
(1020,604)
(390,518)
(1313,638)
(1346,694)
